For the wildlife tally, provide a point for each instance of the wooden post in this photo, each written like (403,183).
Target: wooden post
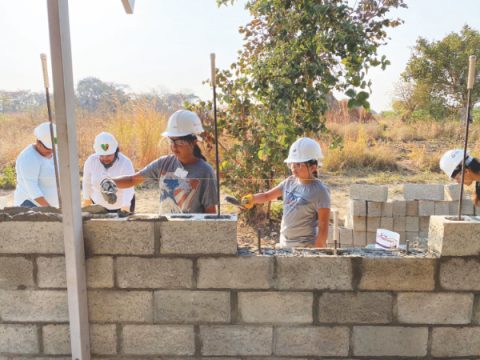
(69,177)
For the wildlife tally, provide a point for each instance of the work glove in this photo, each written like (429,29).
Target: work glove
(247,201)
(109,190)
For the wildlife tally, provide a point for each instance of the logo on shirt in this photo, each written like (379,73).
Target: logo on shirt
(176,195)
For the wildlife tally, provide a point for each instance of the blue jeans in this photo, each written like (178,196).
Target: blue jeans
(28,204)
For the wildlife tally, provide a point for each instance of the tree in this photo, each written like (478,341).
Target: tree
(439,70)
(93,94)
(295,53)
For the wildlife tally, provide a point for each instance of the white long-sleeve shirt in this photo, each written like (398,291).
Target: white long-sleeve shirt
(35,177)
(93,174)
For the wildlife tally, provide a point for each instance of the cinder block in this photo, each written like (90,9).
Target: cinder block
(275,307)
(397,274)
(198,236)
(244,272)
(120,306)
(103,339)
(359,223)
(424,223)
(158,340)
(399,208)
(236,340)
(468,207)
(136,272)
(33,305)
(56,339)
(426,208)
(412,223)
(412,208)
(100,272)
(403,236)
(390,341)
(355,308)
(371,237)
(18,339)
(118,236)
(369,192)
(374,208)
(400,224)
(312,341)
(359,238)
(348,221)
(51,272)
(460,274)
(434,308)
(312,273)
(464,341)
(423,191)
(442,207)
(15,272)
(411,235)
(387,209)
(345,236)
(37,237)
(357,207)
(454,238)
(452,192)
(373,223)
(180,307)
(386,223)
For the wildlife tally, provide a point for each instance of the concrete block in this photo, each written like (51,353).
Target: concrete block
(345,236)
(412,223)
(33,305)
(426,208)
(412,208)
(399,208)
(38,237)
(424,223)
(355,308)
(447,341)
(198,236)
(311,341)
(400,224)
(397,274)
(275,307)
(442,208)
(103,339)
(468,208)
(100,272)
(243,272)
(460,274)
(411,235)
(168,340)
(18,339)
(371,237)
(403,236)
(386,223)
(453,237)
(387,209)
(359,223)
(51,272)
(357,207)
(236,340)
(333,273)
(452,192)
(348,221)
(118,236)
(390,341)
(120,306)
(423,191)
(369,192)
(136,272)
(373,223)
(16,272)
(374,208)
(359,238)
(180,306)
(434,308)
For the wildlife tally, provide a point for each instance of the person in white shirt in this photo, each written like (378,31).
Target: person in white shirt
(36,185)
(109,162)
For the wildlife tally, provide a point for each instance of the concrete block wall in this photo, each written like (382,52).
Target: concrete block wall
(147,301)
(369,209)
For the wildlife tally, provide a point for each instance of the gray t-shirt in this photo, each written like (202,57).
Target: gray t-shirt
(183,188)
(300,210)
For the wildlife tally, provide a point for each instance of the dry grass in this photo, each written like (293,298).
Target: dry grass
(424,160)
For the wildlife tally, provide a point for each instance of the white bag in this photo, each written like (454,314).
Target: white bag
(387,239)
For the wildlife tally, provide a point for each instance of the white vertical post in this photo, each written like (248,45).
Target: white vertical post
(69,177)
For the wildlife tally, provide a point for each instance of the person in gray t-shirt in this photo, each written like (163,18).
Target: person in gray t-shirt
(186,181)
(306,200)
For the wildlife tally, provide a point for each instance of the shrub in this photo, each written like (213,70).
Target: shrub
(8,178)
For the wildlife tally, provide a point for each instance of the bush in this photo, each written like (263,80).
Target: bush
(8,178)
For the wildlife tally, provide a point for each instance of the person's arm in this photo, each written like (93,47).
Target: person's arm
(41,201)
(127,181)
(128,193)
(28,171)
(269,195)
(87,183)
(323,220)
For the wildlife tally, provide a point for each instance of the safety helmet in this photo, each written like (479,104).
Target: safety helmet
(303,150)
(183,123)
(42,133)
(105,144)
(451,160)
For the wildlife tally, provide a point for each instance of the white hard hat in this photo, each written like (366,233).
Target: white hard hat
(105,144)
(303,150)
(42,133)
(183,123)
(451,160)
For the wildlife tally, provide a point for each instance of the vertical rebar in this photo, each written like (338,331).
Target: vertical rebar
(217,161)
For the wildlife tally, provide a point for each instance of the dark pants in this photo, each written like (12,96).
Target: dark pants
(28,204)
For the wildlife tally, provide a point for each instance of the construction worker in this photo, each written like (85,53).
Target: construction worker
(186,181)
(306,200)
(107,161)
(451,164)
(36,185)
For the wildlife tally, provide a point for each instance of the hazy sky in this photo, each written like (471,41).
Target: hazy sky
(165,44)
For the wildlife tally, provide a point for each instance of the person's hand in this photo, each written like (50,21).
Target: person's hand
(476,193)
(87,203)
(247,201)
(109,190)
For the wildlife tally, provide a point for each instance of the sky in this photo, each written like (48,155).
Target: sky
(166,44)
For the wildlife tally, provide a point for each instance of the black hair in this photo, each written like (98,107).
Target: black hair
(196,149)
(310,163)
(474,165)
